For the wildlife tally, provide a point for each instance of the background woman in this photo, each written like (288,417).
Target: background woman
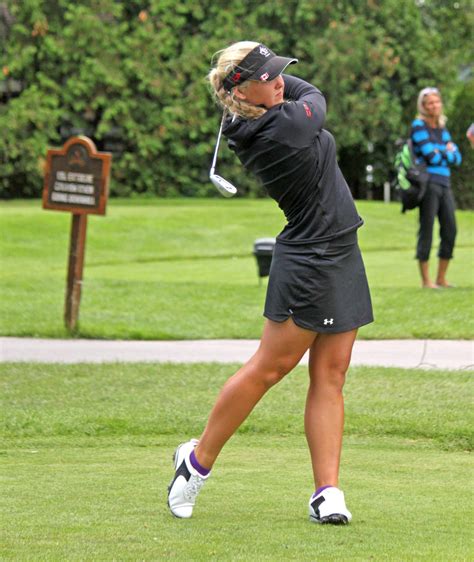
(317,293)
(432,144)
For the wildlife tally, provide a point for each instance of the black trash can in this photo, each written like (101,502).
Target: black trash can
(263,251)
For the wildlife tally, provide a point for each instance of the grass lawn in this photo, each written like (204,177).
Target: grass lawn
(183,269)
(86,459)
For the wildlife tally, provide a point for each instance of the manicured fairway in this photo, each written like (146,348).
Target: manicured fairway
(86,459)
(184,269)
(108,502)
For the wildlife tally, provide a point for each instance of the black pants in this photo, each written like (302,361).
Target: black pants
(437,202)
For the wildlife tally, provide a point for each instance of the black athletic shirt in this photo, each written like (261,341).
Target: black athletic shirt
(295,159)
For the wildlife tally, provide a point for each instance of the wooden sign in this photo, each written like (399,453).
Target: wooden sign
(77,178)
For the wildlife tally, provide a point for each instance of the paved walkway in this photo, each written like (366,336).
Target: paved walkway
(439,354)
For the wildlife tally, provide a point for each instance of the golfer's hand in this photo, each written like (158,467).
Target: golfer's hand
(450,147)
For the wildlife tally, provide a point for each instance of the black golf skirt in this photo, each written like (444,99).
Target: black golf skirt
(322,286)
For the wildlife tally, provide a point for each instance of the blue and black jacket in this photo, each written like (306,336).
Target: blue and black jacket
(429,145)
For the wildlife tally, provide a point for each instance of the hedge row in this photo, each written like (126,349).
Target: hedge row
(131,75)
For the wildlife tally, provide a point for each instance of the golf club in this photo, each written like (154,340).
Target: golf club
(225,188)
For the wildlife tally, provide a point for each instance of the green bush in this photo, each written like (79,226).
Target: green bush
(131,75)
(458,124)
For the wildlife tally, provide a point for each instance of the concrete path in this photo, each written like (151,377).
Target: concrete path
(426,354)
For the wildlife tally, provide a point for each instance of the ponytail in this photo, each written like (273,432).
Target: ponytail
(228,59)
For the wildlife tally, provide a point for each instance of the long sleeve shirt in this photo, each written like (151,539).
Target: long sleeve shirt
(295,159)
(429,145)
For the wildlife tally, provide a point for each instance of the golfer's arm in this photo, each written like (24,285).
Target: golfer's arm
(300,91)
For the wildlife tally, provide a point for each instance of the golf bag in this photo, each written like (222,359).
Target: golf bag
(412,178)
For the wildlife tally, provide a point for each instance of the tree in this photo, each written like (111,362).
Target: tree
(131,75)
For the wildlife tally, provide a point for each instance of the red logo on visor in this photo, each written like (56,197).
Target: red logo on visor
(236,77)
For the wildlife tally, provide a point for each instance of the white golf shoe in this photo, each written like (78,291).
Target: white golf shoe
(329,507)
(186,483)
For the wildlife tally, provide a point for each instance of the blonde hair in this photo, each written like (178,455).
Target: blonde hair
(420,104)
(227,60)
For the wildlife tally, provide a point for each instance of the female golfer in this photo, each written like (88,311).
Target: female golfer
(432,144)
(317,292)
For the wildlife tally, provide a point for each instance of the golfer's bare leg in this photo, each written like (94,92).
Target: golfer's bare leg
(329,359)
(282,346)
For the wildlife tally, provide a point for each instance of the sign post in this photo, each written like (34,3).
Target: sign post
(76,180)
(77,248)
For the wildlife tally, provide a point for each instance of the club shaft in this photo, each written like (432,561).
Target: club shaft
(216,150)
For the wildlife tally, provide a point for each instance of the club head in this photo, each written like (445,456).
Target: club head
(225,188)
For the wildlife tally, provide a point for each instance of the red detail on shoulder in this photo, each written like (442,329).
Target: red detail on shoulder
(307,109)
